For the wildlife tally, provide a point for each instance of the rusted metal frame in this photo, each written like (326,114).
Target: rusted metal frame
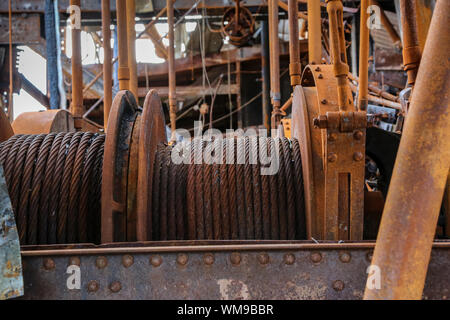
(153,22)
(94,106)
(411,45)
(172,74)
(314,32)
(76,107)
(107,67)
(31,89)
(334,271)
(376,90)
(286,105)
(380,100)
(363,57)
(274,63)
(422,161)
(131,42)
(295,67)
(11,68)
(285,7)
(6,130)
(387,24)
(122,37)
(154,36)
(265,73)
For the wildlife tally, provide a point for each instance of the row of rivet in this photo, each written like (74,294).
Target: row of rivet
(208,259)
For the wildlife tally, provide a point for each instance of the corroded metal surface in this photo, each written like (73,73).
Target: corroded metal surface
(44,122)
(11,282)
(212,270)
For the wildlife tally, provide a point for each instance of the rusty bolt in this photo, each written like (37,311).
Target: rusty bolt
(332,157)
(338,285)
(127,260)
(49,264)
(320,76)
(317,69)
(345,257)
(235,258)
(263,258)
(332,136)
(369,256)
(208,258)
(115,286)
(182,259)
(101,262)
(74,261)
(358,135)
(323,101)
(320,122)
(358,156)
(93,286)
(156,261)
(316,257)
(289,258)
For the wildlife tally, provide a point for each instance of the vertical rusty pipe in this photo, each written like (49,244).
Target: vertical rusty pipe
(131,35)
(107,66)
(77,71)
(265,64)
(295,68)
(314,32)
(172,74)
(11,76)
(274,63)
(408,225)
(411,46)
(122,41)
(363,58)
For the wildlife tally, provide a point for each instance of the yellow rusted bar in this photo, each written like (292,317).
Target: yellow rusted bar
(124,70)
(411,46)
(172,75)
(410,216)
(274,63)
(131,34)
(295,67)
(363,58)
(314,32)
(77,71)
(107,67)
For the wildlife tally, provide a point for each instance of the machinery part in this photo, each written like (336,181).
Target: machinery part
(238,24)
(422,161)
(172,73)
(363,91)
(11,281)
(216,270)
(55,182)
(314,32)
(47,121)
(131,45)
(275,93)
(77,108)
(107,66)
(6,130)
(295,66)
(122,40)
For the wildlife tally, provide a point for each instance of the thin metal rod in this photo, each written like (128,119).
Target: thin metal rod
(11,69)
(363,57)
(107,65)
(295,67)
(420,173)
(124,70)
(77,68)
(274,63)
(172,74)
(131,35)
(265,66)
(314,32)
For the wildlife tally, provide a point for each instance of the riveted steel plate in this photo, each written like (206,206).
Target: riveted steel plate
(213,270)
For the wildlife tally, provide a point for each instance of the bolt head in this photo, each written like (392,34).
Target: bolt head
(332,136)
(323,101)
(345,257)
(182,259)
(316,257)
(317,69)
(289,258)
(208,259)
(235,258)
(93,286)
(127,260)
(263,258)
(115,286)
(338,285)
(320,76)
(358,156)
(156,260)
(358,135)
(49,264)
(101,262)
(332,157)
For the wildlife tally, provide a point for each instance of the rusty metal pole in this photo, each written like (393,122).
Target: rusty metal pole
(6,130)
(131,36)
(107,66)
(314,32)
(77,69)
(124,70)
(265,70)
(363,58)
(295,67)
(411,45)
(11,76)
(172,75)
(408,225)
(274,63)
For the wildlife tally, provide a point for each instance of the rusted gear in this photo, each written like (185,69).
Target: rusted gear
(238,24)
